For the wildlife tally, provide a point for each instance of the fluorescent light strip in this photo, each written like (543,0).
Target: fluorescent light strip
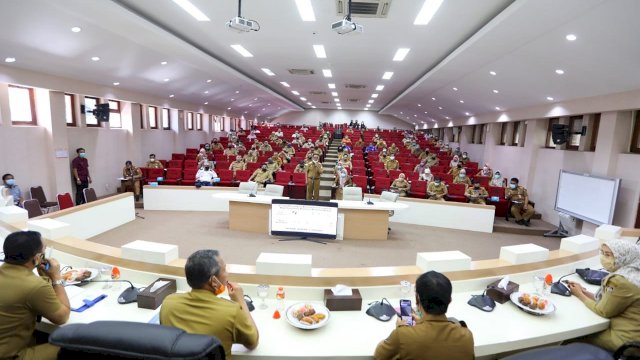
(295,92)
(306,10)
(303,98)
(332,86)
(387,75)
(327,73)
(379,87)
(187,6)
(284,83)
(268,72)
(401,54)
(336,100)
(334,93)
(370,101)
(374,95)
(429,8)
(319,50)
(241,50)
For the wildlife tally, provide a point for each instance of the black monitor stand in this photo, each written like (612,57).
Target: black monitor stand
(304,238)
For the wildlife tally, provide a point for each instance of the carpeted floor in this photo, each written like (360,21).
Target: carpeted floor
(209,230)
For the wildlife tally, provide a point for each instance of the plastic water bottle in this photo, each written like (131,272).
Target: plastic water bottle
(280,298)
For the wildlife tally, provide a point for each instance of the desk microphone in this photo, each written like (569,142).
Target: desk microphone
(129,295)
(252,195)
(559,288)
(369,202)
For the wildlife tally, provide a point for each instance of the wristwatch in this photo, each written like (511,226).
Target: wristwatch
(60,282)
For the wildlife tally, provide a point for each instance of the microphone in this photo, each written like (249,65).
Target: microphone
(129,295)
(559,288)
(369,202)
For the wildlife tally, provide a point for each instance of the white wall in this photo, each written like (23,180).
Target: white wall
(313,117)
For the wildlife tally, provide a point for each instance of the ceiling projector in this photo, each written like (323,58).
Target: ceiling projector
(345,26)
(241,24)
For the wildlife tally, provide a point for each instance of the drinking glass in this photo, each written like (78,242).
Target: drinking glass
(105,274)
(538,284)
(263,292)
(405,287)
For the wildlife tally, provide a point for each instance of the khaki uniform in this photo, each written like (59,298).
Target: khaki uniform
(459,180)
(154,165)
(290,151)
(237,165)
(314,171)
(201,312)
(423,155)
(517,197)
(24,296)
(436,192)
(477,196)
(392,165)
(134,183)
(307,145)
(359,143)
(433,337)
(402,185)
(339,192)
(230,152)
(432,161)
(454,171)
(261,177)
(299,169)
(217,146)
(265,147)
(393,149)
(273,167)
(251,156)
(620,302)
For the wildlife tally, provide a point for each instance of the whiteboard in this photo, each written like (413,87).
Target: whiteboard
(587,197)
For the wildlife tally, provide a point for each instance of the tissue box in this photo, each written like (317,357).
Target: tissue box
(501,295)
(343,303)
(151,300)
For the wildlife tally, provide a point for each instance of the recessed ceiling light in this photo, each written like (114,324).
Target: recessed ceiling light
(237,91)
(440,107)
(269,104)
(339,108)
(414,115)
(493,73)
(327,73)
(387,75)
(334,93)
(319,50)
(245,112)
(309,104)
(336,100)
(295,92)
(95,58)
(263,109)
(332,86)
(163,63)
(467,113)
(209,80)
(166,80)
(434,99)
(206,103)
(303,98)
(461,101)
(368,105)
(10,59)
(498,108)
(284,83)
(365,109)
(255,99)
(495,91)
(268,72)
(187,6)
(455,89)
(233,99)
(371,101)
(429,8)
(206,91)
(559,71)
(379,87)
(419,105)
(305,10)
(448,118)
(571,37)
(401,113)
(401,54)
(116,83)
(171,95)
(374,95)
(426,112)
(241,50)
(228,108)
(549,98)
(76,29)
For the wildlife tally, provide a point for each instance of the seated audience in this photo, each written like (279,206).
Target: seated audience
(153,163)
(400,185)
(497,180)
(273,163)
(132,176)
(205,176)
(342,180)
(252,155)
(346,140)
(485,171)
(265,147)
(421,167)
(618,298)
(454,162)
(433,160)
(202,157)
(476,194)
(230,151)
(462,178)
(426,175)
(464,158)
(359,143)
(345,162)
(393,149)
(300,167)
(216,145)
(207,149)
(308,144)
(201,311)
(289,150)
(437,190)
(10,188)
(25,296)
(262,176)
(520,207)
(433,336)
(455,171)
(239,164)
(370,148)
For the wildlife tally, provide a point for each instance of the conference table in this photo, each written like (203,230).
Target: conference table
(357,220)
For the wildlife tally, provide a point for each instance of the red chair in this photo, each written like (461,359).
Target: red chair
(394,174)
(299,188)
(382,184)
(380,173)
(361,182)
(418,189)
(174,176)
(283,178)
(502,203)
(190,164)
(357,163)
(175,164)
(456,192)
(164,163)
(189,177)
(361,171)
(222,165)
(413,176)
(484,181)
(447,178)
(154,174)
(226,177)
(191,151)
(176,156)
(64,201)
(242,175)
(299,178)
(289,166)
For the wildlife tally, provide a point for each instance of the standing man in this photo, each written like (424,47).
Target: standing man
(519,197)
(80,166)
(25,296)
(314,171)
(132,176)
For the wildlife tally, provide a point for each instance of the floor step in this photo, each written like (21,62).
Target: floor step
(537,227)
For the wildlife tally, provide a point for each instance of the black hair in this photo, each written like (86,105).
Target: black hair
(5,176)
(514,179)
(476,181)
(150,155)
(21,246)
(128,162)
(434,292)
(200,267)
(79,149)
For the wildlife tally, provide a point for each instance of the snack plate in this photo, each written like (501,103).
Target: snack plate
(547,310)
(94,273)
(319,308)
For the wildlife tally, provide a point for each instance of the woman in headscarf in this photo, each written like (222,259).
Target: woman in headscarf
(342,179)
(454,162)
(485,171)
(618,298)
(497,180)
(426,175)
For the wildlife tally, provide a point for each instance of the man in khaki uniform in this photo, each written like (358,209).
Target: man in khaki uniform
(230,151)
(132,176)
(401,185)
(239,164)
(252,155)
(289,150)
(392,164)
(300,168)
(215,145)
(153,163)
(462,178)
(314,171)
(437,190)
(25,296)
(262,176)
(520,208)
(433,336)
(265,147)
(201,311)
(272,164)
(433,160)
(308,144)
(476,194)
(393,149)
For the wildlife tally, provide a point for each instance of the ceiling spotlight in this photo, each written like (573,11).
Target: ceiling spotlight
(419,105)
(268,72)
(387,75)
(461,101)
(455,89)
(332,86)
(339,108)
(370,101)
(440,107)
(116,83)
(303,98)
(163,63)
(327,73)
(206,103)
(95,58)
(434,99)
(206,91)
(228,108)
(498,108)
(374,95)
(495,91)
(171,95)
(237,91)
(379,87)
(208,81)
(295,93)
(571,37)
(549,98)
(320,52)
(493,73)
(76,29)
(559,71)
(166,80)
(241,50)
(10,59)
(284,83)
(467,113)
(334,93)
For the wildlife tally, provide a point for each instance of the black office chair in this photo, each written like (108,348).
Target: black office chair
(579,351)
(130,340)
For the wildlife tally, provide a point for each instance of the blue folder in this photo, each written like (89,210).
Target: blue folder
(89,303)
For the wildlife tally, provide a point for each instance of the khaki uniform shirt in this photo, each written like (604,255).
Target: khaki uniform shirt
(154,165)
(393,149)
(265,147)
(230,152)
(273,167)
(251,156)
(439,191)
(134,172)
(217,146)
(24,295)
(517,195)
(201,312)
(459,180)
(359,143)
(238,165)
(402,185)
(261,177)
(423,155)
(433,337)
(299,169)
(307,145)
(454,171)
(433,161)
(314,170)
(392,165)
(289,151)
(476,196)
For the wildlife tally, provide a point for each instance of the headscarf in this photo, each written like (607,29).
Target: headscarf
(627,259)
(455,161)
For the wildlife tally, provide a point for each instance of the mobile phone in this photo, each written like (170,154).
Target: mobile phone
(405,311)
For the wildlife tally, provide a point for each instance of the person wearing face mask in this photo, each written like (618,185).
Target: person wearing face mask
(11,189)
(424,154)
(360,143)
(462,178)
(25,296)
(300,168)
(202,157)
(464,158)
(381,144)
(265,147)
(230,151)
(341,181)
(205,176)
(239,164)
(400,185)
(370,148)
(419,169)
(426,175)
(314,172)
(289,150)
(262,176)
(201,311)
(437,190)
(216,145)
(132,176)
(392,164)
(455,171)
(393,149)
(520,208)
(345,162)
(618,298)
(240,147)
(308,144)
(454,162)
(485,171)
(207,149)
(497,180)
(346,140)
(477,194)
(153,163)
(433,160)
(80,170)
(252,155)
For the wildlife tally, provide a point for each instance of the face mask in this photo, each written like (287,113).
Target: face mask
(463,175)
(10,182)
(83,155)
(264,169)
(496,176)
(608,263)
(206,168)
(485,169)
(513,186)
(437,182)
(220,289)
(464,156)
(152,159)
(476,186)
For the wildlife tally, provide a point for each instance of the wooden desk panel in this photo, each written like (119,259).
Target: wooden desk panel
(250,217)
(365,224)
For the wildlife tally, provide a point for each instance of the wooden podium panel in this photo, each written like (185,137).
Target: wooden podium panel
(365,224)
(247,216)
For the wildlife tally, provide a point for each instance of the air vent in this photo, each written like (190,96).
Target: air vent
(301,71)
(355,86)
(317,93)
(326,102)
(353,100)
(364,8)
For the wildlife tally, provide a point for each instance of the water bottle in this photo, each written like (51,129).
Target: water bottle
(280,298)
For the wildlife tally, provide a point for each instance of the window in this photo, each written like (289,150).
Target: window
(189,121)
(22,105)
(115,119)
(70,109)
(199,121)
(217,121)
(549,143)
(504,134)
(575,132)
(166,119)
(89,105)
(515,136)
(152,114)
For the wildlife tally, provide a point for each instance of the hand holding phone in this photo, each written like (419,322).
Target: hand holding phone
(405,311)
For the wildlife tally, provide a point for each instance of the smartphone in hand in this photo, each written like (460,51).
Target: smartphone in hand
(405,311)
